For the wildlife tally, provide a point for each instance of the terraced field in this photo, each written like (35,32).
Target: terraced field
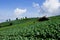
(31,29)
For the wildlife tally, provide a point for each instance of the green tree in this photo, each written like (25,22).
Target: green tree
(25,17)
(9,20)
(17,19)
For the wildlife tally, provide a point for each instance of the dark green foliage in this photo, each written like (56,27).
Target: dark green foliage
(10,23)
(0,26)
(34,22)
(43,19)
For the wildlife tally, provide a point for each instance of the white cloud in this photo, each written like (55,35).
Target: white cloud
(19,11)
(49,7)
(37,6)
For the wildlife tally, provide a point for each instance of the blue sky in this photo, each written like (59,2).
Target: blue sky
(10,9)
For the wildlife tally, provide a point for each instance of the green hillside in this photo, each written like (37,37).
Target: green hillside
(31,29)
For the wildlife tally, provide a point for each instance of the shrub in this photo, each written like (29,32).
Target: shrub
(0,26)
(43,19)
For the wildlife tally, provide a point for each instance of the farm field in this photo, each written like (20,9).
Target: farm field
(31,29)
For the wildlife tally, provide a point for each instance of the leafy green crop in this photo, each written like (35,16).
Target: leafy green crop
(32,30)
